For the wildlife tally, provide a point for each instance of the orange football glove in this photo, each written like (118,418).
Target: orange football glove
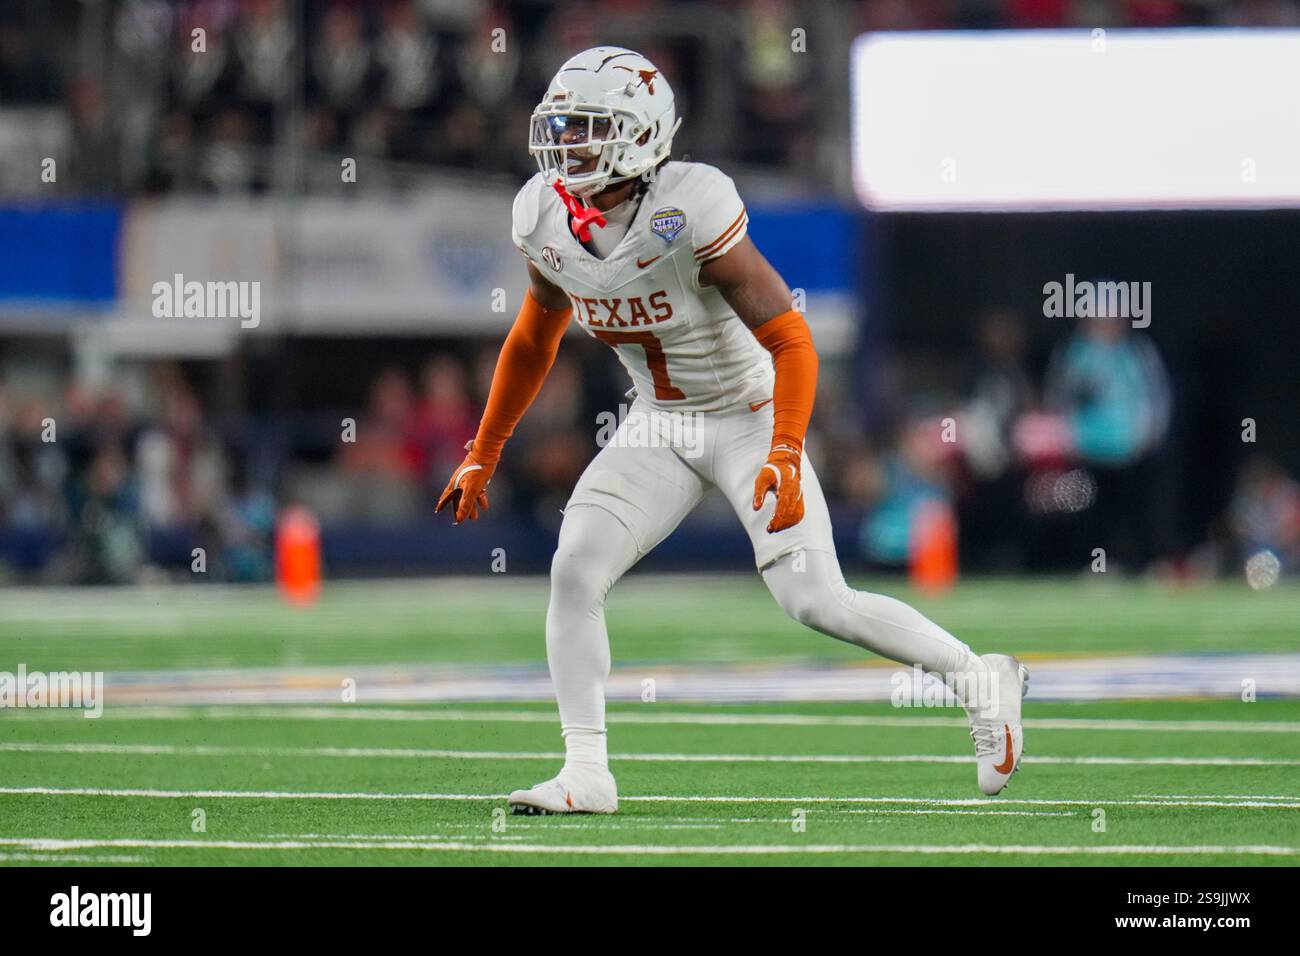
(467,490)
(780,476)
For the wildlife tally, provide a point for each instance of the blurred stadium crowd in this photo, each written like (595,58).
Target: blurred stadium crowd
(451,82)
(1058,444)
(1046,467)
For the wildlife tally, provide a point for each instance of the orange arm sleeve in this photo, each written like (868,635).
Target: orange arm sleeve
(788,339)
(525,359)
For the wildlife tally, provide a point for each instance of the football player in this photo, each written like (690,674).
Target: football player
(652,257)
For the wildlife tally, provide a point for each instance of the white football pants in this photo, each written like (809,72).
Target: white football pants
(637,490)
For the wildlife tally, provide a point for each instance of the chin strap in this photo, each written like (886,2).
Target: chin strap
(581,217)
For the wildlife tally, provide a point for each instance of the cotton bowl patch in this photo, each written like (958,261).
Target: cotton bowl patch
(667,223)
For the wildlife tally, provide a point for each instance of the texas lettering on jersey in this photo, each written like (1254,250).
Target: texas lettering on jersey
(682,345)
(610,313)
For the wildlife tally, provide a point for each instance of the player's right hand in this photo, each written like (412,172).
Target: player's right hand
(467,490)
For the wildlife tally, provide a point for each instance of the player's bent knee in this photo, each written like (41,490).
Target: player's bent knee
(806,605)
(594,550)
(577,580)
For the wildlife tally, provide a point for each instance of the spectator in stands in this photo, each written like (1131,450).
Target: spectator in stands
(381,460)
(182,466)
(912,476)
(1111,389)
(199,80)
(33,471)
(107,544)
(445,419)
(778,98)
(340,60)
(228,163)
(998,392)
(94,133)
(408,53)
(1264,515)
(487,62)
(265,38)
(384,443)
(247,530)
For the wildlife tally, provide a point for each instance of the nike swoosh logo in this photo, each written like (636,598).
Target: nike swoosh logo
(568,798)
(465,471)
(642,263)
(1009,763)
(755,406)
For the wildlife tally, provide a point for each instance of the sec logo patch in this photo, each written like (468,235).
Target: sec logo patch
(667,223)
(552,258)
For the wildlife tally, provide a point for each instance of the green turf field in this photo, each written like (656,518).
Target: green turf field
(1173,781)
(498,618)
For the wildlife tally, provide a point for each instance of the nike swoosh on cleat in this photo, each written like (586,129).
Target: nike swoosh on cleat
(642,263)
(1009,762)
(568,797)
(755,406)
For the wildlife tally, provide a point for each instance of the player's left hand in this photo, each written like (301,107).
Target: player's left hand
(780,476)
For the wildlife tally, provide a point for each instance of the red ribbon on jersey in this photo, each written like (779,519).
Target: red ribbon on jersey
(581,217)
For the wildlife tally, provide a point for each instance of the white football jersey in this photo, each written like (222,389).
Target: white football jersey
(683,345)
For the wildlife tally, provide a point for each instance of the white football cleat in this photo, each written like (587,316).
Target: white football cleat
(995,720)
(576,789)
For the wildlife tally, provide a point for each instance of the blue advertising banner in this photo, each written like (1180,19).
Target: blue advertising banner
(58,256)
(813,245)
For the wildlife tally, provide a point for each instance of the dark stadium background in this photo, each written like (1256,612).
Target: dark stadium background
(896,299)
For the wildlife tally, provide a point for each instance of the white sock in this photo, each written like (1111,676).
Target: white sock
(585,746)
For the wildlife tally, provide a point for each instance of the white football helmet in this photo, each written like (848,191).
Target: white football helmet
(608,116)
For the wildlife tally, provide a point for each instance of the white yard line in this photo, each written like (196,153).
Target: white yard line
(236,794)
(962,801)
(521,823)
(664,798)
(58,857)
(48,843)
(1220,796)
(966,813)
(203,750)
(358,712)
